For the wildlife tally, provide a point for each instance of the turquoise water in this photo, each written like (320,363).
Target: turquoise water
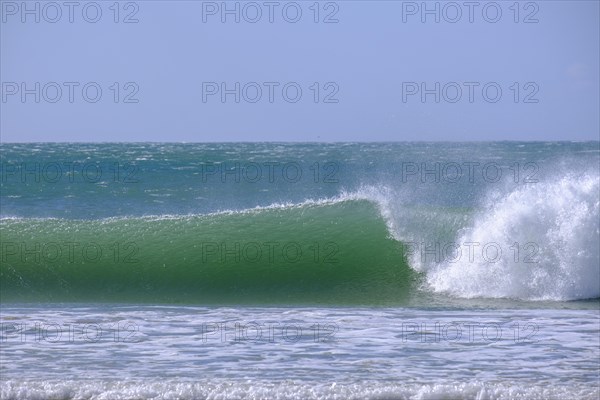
(392,270)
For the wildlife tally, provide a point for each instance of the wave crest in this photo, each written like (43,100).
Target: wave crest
(560,222)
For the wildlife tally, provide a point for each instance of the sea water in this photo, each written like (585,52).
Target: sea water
(341,270)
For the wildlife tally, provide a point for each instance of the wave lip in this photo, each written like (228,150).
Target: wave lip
(556,228)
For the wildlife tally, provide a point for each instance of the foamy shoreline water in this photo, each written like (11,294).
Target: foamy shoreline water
(321,353)
(231,390)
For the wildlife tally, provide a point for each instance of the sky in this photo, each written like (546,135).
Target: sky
(196,71)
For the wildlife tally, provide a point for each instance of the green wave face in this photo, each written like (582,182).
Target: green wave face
(338,253)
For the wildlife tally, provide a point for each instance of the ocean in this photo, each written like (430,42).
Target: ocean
(300,270)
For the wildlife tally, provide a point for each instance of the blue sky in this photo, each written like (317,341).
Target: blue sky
(299,71)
